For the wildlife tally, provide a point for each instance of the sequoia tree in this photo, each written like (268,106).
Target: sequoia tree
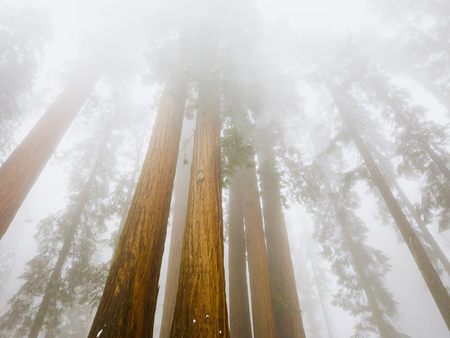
(128,304)
(200,308)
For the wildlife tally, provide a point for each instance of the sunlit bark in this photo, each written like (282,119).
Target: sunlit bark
(200,309)
(128,304)
(22,168)
(240,326)
(262,305)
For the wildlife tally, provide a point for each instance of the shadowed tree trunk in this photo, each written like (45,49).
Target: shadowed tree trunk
(262,306)
(128,303)
(282,280)
(200,309)
(176,244)
(240,326)
(430,275)
(22,168)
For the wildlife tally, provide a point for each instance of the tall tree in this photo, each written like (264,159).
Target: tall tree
(262,305)
(19,172)
(127,307)
(430,275)
(200,308)
(282,281)
(240,325)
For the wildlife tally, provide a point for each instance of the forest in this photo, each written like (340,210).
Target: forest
(212,168)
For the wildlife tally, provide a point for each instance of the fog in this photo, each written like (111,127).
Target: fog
(225,168)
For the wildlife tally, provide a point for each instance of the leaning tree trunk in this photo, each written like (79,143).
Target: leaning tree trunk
(55,277)
(240,325)
(128,303)
(19,172)
(430,275)
(262,305)
(282,280)
(200,308)
(176,244)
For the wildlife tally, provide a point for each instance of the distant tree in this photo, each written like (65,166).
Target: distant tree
(67,241)
(20,171)
(240,324)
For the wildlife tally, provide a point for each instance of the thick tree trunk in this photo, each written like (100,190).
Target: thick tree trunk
(430,275)
(200,309)
(19,172)
(128,303)
(262,305)
(176,245)
(282,279)
(240,325)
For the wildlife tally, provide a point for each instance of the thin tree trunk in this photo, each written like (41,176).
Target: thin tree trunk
(240,325)
(262,305)
(176,245)
(128,303)
(22,168)
(282,280)
(326,317)
(55,277)
(430,275)
(200,308)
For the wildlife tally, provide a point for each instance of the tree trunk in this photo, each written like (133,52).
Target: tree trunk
(431,277)
(403,199)
(262,305)
(240,325)
(176,245)
(19,172)
(282,280)
(128,303)
(200,308)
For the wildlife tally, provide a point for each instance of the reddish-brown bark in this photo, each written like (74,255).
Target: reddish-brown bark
(200,309)
(262,306)
(128,304)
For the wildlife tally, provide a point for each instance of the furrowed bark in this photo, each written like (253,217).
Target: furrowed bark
(128,303)
(262,306)
(22,168)
(430,275)
(200,309)
(282,280)
(240,326)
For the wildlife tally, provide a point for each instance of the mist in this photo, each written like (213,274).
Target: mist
(225,168)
